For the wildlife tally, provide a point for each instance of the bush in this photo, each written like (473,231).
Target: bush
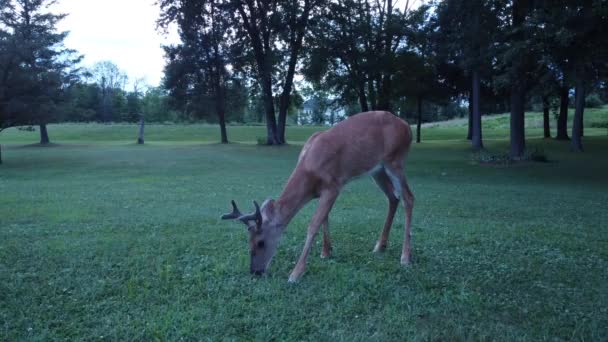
(593,101)
(27,128)
(599,124)
(530,155)
(261,140)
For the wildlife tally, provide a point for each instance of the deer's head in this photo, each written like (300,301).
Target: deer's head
(264,233)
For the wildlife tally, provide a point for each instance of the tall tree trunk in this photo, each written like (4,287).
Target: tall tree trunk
(220,108)
(577,123)
(271,123)
(419,125)
(546,127)
(384,82)
(384,102)
(562,119)
(518,84)
(222,119)
(476,138)
(140,137)
(296,44)
(518,141)
(260,39)
(372,93)
(281,125)
(44,135)
(362,97)
(470,125)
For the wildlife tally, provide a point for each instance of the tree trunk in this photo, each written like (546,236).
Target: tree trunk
(283,108)
(224,134)
(220,109)
(271,123)
(419,125)
(140,138)
(518,85)
(384,82)
(384,94)
(260,39)
(44,135)
(470,125)
(296,45)
(546,127)
(518,142)
(577,123)
(372,93)
(562,119)
(476,138)
(362,98)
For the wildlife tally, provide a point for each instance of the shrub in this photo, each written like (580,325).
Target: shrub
(593,101)
(261,140)
(27,128)
(530,155)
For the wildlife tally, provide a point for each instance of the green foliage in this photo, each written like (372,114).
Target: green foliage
(35,67)
(593,100)
(529,155)
(110,240)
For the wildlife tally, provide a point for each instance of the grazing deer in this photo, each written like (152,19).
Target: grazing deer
(373,142)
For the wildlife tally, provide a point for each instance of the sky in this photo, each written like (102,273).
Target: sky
(122,31)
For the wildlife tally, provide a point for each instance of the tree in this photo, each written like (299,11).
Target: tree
(202,58)
(273,32)
(112,82)
(35,68)
(354,50)
(465,34)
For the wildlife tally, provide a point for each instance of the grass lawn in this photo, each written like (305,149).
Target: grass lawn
(104,239)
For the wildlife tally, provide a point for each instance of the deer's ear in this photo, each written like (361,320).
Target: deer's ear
(268,204)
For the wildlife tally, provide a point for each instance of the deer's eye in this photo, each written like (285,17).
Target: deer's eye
(260,244)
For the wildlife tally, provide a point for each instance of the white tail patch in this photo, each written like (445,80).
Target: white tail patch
(395,181)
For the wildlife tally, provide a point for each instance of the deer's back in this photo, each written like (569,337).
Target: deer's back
(355,146)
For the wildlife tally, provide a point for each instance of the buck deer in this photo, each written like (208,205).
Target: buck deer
(373,142)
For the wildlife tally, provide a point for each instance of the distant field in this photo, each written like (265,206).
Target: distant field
(494,127)
(104,239)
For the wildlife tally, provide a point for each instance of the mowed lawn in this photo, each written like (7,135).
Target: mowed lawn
(104,239)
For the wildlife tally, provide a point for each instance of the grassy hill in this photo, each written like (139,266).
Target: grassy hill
(494,127)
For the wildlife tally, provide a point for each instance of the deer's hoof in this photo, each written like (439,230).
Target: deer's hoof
(380,247)
(406,260)
(293,279)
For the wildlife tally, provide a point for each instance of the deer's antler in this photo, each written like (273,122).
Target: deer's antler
(255,216)
(236,214)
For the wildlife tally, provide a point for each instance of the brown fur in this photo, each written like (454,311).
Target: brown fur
(371,141)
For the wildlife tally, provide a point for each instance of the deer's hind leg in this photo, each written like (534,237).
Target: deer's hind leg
(397,176)
(326,252)
(383,181)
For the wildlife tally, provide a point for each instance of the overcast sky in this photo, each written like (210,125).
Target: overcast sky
(122,31)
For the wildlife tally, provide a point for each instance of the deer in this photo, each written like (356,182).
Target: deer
(376,143)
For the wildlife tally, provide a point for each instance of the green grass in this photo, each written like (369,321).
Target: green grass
(101,238)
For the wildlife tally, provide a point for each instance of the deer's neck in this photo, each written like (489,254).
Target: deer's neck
(296,194)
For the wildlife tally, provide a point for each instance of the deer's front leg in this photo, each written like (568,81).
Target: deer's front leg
(326,201)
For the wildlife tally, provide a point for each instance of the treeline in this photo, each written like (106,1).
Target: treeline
(312,61)
(493,55)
